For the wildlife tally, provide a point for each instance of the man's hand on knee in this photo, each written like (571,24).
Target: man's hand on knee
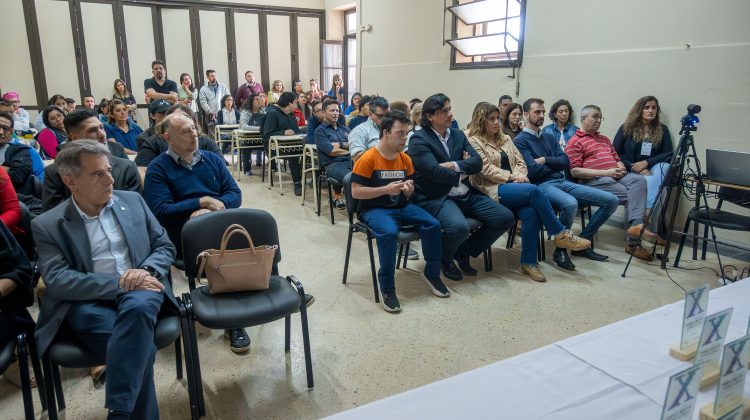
(150,283)
(130,279)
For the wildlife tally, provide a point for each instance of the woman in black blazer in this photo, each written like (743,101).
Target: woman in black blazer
(645,145)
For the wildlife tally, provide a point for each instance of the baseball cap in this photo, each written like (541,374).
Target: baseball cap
(158,106)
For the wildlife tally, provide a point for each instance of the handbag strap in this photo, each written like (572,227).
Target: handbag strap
(201,261)
(229,233)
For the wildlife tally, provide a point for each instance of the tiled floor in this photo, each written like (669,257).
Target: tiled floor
(360,352)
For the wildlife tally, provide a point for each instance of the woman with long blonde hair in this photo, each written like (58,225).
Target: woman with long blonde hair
(504,178)
(645,145)
(277,88)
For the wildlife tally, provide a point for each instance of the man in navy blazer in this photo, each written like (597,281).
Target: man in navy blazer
(443,159)
(105,261)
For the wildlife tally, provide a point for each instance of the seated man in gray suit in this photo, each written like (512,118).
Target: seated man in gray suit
(105,260)
(84,124)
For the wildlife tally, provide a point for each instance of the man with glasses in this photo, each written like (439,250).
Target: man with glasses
(443,159)
(547,164)
(367,134)
(20,115)
(15,158)
(381,180)
(595,163)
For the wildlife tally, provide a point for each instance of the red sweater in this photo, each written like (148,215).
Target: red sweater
(591,151)
(10,210)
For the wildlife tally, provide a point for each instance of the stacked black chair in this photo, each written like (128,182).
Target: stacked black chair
(284,296)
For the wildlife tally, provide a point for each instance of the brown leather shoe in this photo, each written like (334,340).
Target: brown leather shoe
(533,272)
(571,242)
(98,375)
(652,237)
(639,252)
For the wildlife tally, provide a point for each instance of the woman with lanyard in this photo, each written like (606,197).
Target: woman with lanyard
(645,145)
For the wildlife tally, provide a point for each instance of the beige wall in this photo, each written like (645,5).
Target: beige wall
(19,76)
(606,52)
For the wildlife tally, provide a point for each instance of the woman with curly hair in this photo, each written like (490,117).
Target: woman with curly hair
(645,145)
(504,178)
(561,128)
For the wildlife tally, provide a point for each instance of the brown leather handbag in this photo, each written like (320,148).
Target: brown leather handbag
(236,270)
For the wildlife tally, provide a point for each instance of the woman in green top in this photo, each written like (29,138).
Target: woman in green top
(186,92)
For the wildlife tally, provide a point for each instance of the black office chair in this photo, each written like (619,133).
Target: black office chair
(284,296)
(25,347)
(331,183)
(406,235)
(719,218)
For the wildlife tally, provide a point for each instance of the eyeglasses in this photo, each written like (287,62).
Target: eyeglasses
(596,117)
(380,116)
(6,127)
(400,133)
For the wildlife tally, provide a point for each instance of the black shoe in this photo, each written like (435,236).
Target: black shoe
(297,188)
(436,286)
(463,262)
(451,272)
(560,256)
(390,302)
(239,342)
(590,254)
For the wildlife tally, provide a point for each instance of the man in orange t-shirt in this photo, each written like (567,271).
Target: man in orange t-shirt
(381,180)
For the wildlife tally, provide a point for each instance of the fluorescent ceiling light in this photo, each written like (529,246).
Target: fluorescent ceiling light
(483,45)
(486,10)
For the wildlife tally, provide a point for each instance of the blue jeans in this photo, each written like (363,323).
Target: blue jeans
(122,333)
(385,223)
(565,196)
(452,215)
(533,208)
(653,182)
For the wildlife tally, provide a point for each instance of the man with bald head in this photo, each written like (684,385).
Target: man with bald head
(186,182)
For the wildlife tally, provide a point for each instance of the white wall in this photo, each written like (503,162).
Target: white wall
(606,52)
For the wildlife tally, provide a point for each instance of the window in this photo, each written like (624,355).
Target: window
(487,33)
(350,49)
(331,54)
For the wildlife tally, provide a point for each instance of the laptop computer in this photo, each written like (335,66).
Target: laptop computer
(729,167)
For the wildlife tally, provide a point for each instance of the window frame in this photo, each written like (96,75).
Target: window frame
(488,64)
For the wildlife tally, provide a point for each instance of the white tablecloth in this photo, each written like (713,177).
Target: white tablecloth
(617,371)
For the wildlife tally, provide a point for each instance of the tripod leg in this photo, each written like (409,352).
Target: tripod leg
(682,242)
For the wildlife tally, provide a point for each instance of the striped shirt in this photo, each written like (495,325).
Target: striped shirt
(591,151)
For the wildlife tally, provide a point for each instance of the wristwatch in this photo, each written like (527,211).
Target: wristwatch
(151,271)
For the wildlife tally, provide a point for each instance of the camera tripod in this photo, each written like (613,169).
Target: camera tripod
(675,178)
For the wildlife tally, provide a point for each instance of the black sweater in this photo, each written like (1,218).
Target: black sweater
(630,151)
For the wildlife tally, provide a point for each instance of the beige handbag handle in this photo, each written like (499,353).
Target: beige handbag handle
(229,233)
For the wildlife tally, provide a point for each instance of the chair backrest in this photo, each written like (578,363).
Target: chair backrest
(352,204)
(205,232)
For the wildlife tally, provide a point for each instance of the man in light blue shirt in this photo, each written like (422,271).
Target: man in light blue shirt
(367,135)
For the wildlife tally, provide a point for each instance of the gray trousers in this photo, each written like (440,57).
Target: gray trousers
(631,190)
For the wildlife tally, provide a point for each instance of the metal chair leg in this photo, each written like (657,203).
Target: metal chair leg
(372,269)
(37,367)
(287,328)
(306,338)
(406,254)
(57,383)
(23,364)
(705,242)
(189,361)
(348,252)
(330,200)
(49,389)
(178,359)
(400,254)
